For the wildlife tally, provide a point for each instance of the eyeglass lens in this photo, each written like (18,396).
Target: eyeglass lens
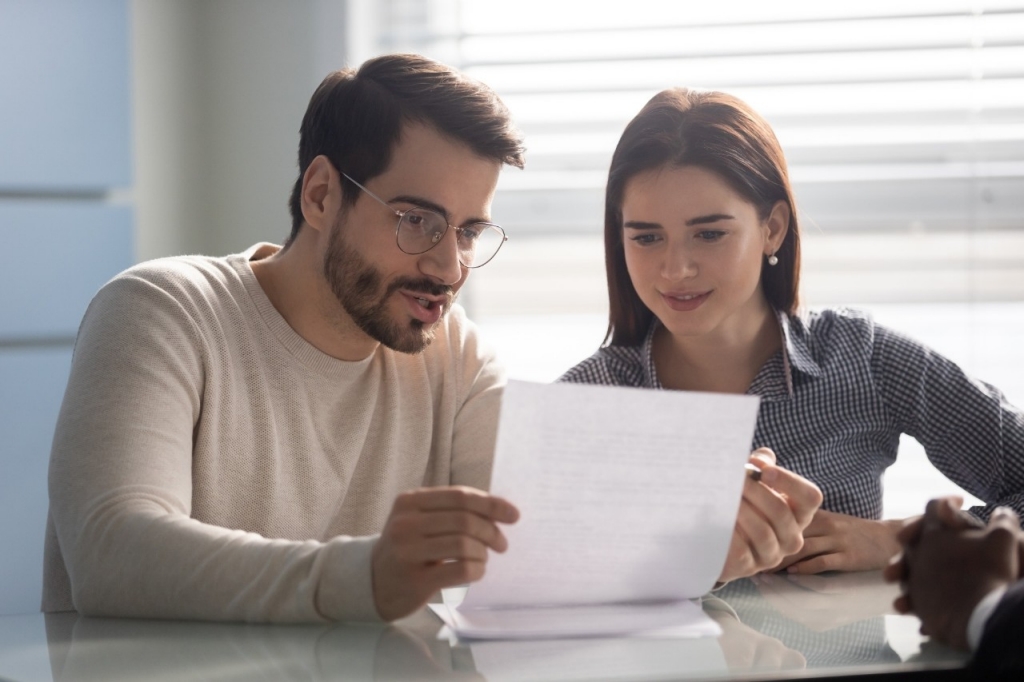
(420,229)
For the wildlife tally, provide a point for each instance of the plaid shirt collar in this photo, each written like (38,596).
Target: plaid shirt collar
(775,379)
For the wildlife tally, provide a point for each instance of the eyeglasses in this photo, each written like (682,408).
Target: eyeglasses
(421,229)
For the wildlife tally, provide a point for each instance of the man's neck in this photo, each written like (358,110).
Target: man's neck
(292,280)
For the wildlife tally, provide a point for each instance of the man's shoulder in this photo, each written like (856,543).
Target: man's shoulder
(457,325)
(183,272)
(170,297)
(189,282)
(457,339)
(458,361)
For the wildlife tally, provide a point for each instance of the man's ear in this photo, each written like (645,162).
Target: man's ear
(776,227)
(321,193)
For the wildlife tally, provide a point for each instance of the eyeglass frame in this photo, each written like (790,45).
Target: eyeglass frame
(401,216)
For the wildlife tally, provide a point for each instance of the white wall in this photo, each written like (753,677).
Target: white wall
(219,89)
(167,130)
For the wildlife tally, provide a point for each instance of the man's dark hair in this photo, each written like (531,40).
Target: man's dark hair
(355,118)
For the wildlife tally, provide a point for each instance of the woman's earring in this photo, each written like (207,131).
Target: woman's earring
(773,259)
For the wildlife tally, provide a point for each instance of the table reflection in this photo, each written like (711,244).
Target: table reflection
(770,623)
(120,649)
(830,621)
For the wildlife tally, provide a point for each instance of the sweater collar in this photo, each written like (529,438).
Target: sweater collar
(306,353)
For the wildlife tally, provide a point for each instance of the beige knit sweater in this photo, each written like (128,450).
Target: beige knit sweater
(209,463)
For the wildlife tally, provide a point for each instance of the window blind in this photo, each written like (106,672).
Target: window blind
(903,122)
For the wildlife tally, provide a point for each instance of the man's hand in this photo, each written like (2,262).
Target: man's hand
(948,566)
(772,516)
(435,538)
(838,542)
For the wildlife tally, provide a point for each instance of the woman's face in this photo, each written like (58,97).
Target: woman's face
(694,249)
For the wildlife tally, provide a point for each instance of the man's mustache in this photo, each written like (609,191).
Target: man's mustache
(422,286)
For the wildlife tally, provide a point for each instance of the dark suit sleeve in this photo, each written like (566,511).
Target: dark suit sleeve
(1002,643)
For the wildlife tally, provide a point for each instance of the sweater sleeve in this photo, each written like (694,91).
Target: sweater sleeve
(968,429)
(481,381)
(121,486)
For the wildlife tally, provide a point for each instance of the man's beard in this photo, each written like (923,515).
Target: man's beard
(360,289)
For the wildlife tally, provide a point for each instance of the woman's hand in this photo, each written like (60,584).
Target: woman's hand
(773,514)
(838,542)
(747,649)
(825,602)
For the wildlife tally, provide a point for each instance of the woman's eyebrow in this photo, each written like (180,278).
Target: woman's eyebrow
(699,220)
(710,218)
(641,225)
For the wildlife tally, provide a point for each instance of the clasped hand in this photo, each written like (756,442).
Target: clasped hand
(772,517)
(435,538)
(950,562)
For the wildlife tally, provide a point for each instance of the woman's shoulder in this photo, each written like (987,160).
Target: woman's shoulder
(610,366)
(832,334)
(832,327)
(821,321)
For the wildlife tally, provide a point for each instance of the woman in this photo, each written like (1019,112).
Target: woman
(702,252)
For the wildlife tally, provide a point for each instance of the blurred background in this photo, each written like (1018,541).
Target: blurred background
(135,129)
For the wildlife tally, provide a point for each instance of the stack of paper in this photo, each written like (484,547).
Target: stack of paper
(628,499)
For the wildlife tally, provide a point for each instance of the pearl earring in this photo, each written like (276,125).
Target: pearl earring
(773,259)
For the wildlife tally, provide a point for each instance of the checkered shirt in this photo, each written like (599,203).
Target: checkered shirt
(836,398)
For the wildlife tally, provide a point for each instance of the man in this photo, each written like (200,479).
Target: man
(965,581)
(237,431)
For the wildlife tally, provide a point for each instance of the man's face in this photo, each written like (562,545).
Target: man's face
(395,298)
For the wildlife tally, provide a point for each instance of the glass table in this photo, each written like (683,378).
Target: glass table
(774,627)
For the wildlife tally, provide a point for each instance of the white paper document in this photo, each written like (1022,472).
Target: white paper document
(663,620)
(628,498)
